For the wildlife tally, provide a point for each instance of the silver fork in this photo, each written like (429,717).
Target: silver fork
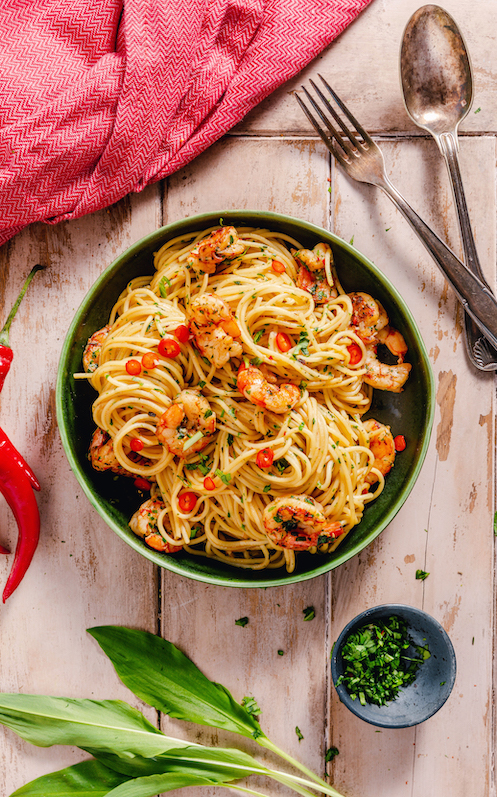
(362,159)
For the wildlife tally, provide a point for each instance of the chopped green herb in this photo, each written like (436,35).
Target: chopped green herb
(258,335)
(208,414)
(378,663)
(309,613)
(331,753)
(225,477)
(162,286)
(495,524)
(299,733)
(282,464)
(281,652)
(242,621)
(230,438)
(478,110)
(421,575)
(267,488)
(250,705)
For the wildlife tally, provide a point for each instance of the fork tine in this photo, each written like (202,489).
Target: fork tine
(326,139)
(350,135)
(347,113)
(334,132)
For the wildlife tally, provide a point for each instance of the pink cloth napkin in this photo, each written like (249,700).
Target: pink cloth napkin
(97,101)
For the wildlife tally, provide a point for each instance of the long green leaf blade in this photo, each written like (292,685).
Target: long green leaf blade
(219,764)
(155,784)
(108,725)
(86,779)
(158,673)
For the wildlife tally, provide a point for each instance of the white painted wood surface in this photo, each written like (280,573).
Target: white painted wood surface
(83,575)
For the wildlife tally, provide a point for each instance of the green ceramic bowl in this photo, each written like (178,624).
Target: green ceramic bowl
(409,413)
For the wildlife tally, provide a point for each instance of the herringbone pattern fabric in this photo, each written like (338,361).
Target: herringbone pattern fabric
(98,100)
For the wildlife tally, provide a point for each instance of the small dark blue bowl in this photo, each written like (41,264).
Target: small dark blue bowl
(434,680)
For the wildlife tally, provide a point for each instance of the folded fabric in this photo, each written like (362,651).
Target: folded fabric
(100,98)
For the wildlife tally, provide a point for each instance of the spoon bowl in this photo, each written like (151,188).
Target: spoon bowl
(435,71)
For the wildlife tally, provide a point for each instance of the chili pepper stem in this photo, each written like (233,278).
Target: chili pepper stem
(4,332)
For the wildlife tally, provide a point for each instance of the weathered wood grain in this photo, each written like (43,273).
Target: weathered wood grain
(82,573)
(362,65)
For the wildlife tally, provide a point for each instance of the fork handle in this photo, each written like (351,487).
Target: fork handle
(477,300)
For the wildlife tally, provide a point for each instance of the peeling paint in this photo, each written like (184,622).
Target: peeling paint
(450,614)
(446,396)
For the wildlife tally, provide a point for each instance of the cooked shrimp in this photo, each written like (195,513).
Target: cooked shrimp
(383,376)
(221,247)
(370,322)
(144,525)
(91,354)
(257,389)
(382,446)
(188,418)
(368,317)
(312,274)
(214,328)
(297,522)
(101,453)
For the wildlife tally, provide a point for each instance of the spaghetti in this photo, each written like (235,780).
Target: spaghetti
(232,383)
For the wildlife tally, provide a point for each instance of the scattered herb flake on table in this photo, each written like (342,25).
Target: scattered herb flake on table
(421,575)
(376,663)
(242,621)
(309,613)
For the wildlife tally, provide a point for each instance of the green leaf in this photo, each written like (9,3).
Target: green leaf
(158,673)
(421,575)
(156,784)
(109,725)
(87,779)
(219,764)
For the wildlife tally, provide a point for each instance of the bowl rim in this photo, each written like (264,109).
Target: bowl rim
(405,611)
(201,221)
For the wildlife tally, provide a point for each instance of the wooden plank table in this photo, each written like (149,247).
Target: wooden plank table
(84,575)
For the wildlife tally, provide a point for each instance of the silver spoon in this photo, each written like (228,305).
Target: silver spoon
(437,84)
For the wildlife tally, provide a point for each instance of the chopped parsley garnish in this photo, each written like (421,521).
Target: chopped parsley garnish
(302,345)
(162,287)
(421,575)
(309,613)
(331,753)
(299,733)
(230,438)
(282,464)
(258,335)
(378,662)
(267,488)
(242,621)
(250,705)
(225,477)
(208,414)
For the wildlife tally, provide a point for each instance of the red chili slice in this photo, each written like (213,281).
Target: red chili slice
(278,267)
(142,484)
(135,444)
(168,347)
(182,333)
(133,367)
(209,484)
(265,458)
(149,360)
(399,442)
(355,353)
(187,501)
(283,342)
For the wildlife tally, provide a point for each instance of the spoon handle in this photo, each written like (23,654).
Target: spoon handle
(476,298)
(447,143)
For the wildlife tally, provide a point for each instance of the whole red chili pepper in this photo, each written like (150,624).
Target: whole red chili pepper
(17,481)
(6,353)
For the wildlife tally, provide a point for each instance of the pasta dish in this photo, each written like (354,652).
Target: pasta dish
(231,387)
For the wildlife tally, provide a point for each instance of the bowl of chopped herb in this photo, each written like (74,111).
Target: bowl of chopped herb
(393,666)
